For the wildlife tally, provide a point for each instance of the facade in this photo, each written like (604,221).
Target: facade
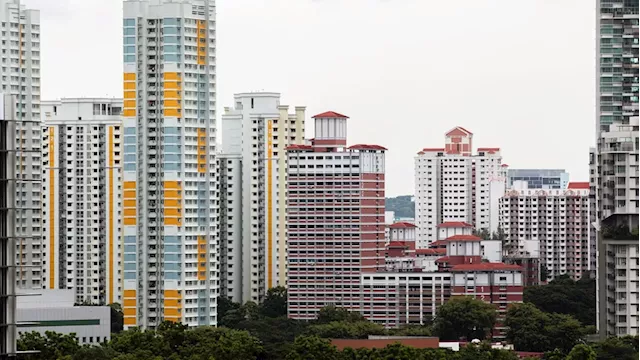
(82,198)
(170,179)
(21,79)
(53,310)
(539,178)
(558,220)
(8,184)
(453,184)
(335,213)
(256,132)
(411,295)
(614,165)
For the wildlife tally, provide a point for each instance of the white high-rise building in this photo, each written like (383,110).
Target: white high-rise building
(170,200)
(21,78)
(454,185)
(557,220)
(82,197)
(614,166)
(253,213)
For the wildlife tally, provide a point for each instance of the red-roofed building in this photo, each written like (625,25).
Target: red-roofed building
(578,185)
(454,185)
(335,218)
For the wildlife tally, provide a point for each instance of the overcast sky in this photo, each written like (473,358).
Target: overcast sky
(518,74)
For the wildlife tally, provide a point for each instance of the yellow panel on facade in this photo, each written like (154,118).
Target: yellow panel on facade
(129,194)
(129,76)
(129,303)
(172,294)
(129,203)
(129,94)
(129,221)
(130,185)
(129,294)
(172,212)
(171,76)
(129,86)
(130,321)
(172,184)
(171,302)
(172,203)
(129,112)
(171,94)
(171,104)
(172,222)
(172,112)
(130,104)
(171,85)
(130,212)
(129,311)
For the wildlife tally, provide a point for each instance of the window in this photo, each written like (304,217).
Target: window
(129,31)
(129,22)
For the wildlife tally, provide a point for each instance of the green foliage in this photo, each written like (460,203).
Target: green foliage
(581,352)
(346,330)
(333,313)
(483,351)
(275,303)
(533,330)
(565,296)
(51,345)
(401,205)
(312,348)
(117,318)
(464,317)
(619,232)
(614,348)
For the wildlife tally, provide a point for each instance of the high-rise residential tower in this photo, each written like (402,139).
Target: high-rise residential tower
(539,178)
(8,182)
(614,167)
(21,79)
(335,214)
(82,197)
(252,178)
(170,199)
(453,184)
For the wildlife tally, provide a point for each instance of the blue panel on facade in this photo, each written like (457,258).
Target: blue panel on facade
(130,249)
(129,167)
(129,275)
(172,258)
(129,58)
(129,239)
(129,257)
(129,22)
(171,276)
(171,248)
(170,239)
(171,139)
(171,267)
(171,167)
(171,130)
(129,130)
(130,266)
(129,31)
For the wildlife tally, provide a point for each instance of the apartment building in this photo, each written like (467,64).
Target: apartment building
(82,198)
(614,165)
(411,295)
(454,184)
(170,179)
(539,178)
(335,213)
(21,79)
(8,183)
(255,134)
(557,220)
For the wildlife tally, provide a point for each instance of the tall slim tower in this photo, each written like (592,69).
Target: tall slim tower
(170,216)
(82,151)
(614,167)
(21,79)
(253,177)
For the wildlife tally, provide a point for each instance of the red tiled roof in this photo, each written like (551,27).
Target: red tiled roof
(459,128)
(432,149)
(439,251)
(463,238)
(397,244)
(299,147)
(578,185)
(401,225)
(330,114)
(443,259)
(367,147)
(504,165)
(438,243)
(450,224)
(485,266)
(489,149)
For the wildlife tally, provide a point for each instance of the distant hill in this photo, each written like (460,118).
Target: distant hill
(402,205)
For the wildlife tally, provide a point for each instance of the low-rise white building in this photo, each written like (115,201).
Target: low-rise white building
(53,310)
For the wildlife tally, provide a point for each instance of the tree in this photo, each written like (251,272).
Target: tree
(50,346)
(275,303)
(483,351)
(207,342)
(275,334)
(117,318)
(582,352)
(464,317)
(346,330)
(565,296)
(312,348)
(333,313)
(482,233)
(225,306)
(617,348)
(499,235)
(533,330)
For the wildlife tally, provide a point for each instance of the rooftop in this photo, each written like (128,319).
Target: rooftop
(330,114)
(402,225)
(452,224)
(486,267)
(463,238)
(578,185)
